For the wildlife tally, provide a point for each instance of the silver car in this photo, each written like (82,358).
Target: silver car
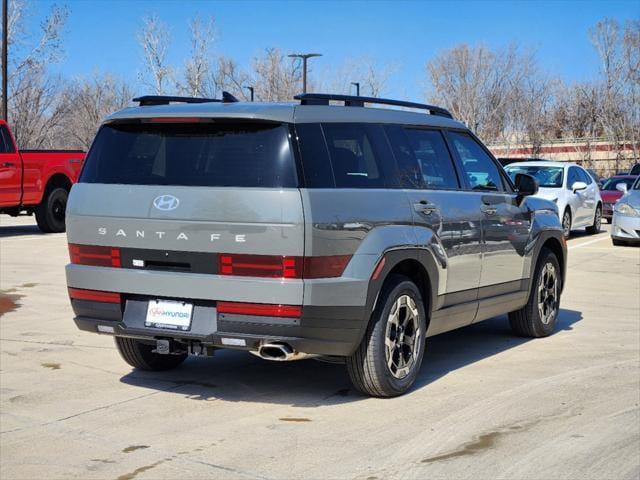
(625,228)
(571,188)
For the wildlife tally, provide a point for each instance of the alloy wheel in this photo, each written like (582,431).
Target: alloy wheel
(402,336)
(566,224)
(548,293)
(58,209)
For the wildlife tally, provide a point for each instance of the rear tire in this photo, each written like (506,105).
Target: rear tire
(389,357)
(539,316)
(50,213)
(597,222)
(139,355)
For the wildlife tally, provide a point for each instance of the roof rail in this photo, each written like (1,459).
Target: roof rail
(354,101)
(166,99)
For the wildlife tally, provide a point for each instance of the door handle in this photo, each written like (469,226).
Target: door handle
(425,207)
(488,210)
(8,164)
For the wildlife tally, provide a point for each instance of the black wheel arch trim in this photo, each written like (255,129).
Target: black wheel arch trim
(393,257)
(560,247)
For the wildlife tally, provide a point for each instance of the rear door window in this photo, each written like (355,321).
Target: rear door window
(430,154)
(360,155)
(192,154)
(6,145)
(480,170)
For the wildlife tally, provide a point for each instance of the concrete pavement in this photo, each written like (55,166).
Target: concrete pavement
(486,404)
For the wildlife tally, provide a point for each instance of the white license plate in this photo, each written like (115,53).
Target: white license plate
(169,314)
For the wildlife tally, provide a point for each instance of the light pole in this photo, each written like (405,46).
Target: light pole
(5,56)
(357,85)
(250,91)
(304,57)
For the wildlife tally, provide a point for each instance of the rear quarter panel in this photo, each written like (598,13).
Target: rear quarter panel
(41,165)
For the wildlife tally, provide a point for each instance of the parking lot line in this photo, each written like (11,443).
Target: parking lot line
(584,244)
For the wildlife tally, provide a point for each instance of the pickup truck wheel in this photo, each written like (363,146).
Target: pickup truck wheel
(139,355)
(389,357)
(50,213)
(539,316)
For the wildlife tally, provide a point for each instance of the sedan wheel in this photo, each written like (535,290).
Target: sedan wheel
(566,224)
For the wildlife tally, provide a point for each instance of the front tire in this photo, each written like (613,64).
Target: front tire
(566,223)
(139,355)
(50,213)
(597,222)
(389,357)
(539,316)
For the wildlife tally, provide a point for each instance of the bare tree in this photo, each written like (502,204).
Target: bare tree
(36,100)
(198,66)
(154,40)
(93,99)
(475,82)
(276,77)
(372,76)
(620,86)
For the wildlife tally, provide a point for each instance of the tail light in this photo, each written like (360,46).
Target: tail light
(94,295)
(260,309)
(94,255)
(275,266)
(259,266)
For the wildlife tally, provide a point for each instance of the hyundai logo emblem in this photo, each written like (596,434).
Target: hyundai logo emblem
(166,202)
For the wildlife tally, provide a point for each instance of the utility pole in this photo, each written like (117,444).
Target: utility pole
(357,85)
(5,56)
(304,57)
(250,91)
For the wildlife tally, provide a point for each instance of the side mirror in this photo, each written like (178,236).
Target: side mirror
(577,186)
(621,187)
(526,184)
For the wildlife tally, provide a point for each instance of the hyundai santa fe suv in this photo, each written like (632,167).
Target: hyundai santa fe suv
(321,228)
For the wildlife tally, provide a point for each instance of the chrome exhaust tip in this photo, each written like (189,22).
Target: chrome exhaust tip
(279,352)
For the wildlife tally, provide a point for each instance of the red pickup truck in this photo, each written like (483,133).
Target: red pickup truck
(36,181)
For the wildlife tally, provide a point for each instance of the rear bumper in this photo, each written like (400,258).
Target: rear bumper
(320,330)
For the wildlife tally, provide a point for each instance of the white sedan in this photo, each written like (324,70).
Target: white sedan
(570,187)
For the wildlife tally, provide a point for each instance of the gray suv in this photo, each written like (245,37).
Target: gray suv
(321,228)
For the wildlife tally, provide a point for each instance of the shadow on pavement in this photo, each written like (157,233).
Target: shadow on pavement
(19,230)
(239,376)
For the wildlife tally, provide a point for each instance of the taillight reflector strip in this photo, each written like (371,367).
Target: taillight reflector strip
(274,266)
(94,255)
(260,309)
(94,295)
(325,267)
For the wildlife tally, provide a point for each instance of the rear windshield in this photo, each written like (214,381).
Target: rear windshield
(192,154)
(612,183)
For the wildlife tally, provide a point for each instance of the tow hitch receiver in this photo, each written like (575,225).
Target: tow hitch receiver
(163,347)
(168,347)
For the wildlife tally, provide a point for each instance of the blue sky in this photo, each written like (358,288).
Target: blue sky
(100,35)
